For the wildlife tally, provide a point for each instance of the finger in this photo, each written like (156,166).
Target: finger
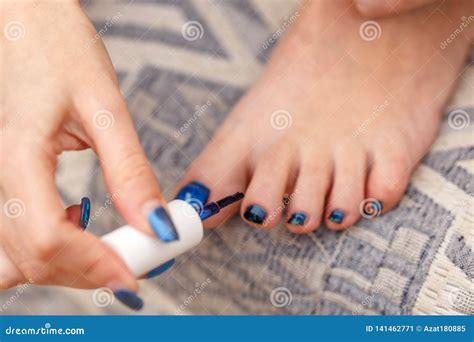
(381,8)
(128,173)
(79,213)
(59,253)
(10,275)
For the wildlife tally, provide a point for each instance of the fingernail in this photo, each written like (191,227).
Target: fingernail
(336,216)
(297,219)
(195,193)
(85,212)
(255,214)
(162,225)
(129,299)
(160,269)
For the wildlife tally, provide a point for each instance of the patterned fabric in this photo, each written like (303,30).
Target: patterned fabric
(417,259)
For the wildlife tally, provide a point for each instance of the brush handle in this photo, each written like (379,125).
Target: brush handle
(142,253)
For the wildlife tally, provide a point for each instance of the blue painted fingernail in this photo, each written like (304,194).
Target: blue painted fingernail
(255,214)
(160,269)
(195,193)
(85,212)
(129,299)
(297,219)
(162,225)
(336,216)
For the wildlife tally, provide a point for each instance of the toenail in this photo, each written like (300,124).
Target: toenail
(297,219)
(336,216)
(255,214)
(194,193)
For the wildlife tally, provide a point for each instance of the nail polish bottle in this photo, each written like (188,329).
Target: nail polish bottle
(143,253)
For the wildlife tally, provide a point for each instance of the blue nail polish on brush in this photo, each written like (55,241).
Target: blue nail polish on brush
(255,214)
(336,216)
(297,219)
(85,212)
(160,269)
(195,193)
(162,225)
(129,299)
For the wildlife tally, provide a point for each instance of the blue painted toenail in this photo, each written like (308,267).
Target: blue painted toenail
(336,216)
(297,219)
(255,214)
(194,193)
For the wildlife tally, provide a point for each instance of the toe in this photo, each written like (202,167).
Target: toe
(387,181)
(263,203)
(347,192)
(306,202)
(218,172)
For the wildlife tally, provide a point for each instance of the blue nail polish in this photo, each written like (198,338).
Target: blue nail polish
(129,299)
(255,214)
(161,223)
(160,269)
(209,210)
(195,193)
(336,216)
(297,219)
(85,212)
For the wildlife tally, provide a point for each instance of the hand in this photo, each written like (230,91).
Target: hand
(60,93)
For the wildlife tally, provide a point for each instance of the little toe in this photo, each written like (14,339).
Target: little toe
(386,183)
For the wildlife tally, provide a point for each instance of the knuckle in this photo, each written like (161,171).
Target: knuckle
(132,165)
(46,247)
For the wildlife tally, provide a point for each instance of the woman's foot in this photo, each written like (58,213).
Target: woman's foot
(343,113)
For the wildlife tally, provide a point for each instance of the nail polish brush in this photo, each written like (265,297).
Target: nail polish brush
(142,252)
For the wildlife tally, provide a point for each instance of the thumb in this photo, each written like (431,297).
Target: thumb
(378,8)
(128,174)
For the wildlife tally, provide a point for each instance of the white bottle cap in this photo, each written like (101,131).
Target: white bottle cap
(142,253)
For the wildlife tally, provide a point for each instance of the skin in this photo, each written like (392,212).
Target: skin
(55,82)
